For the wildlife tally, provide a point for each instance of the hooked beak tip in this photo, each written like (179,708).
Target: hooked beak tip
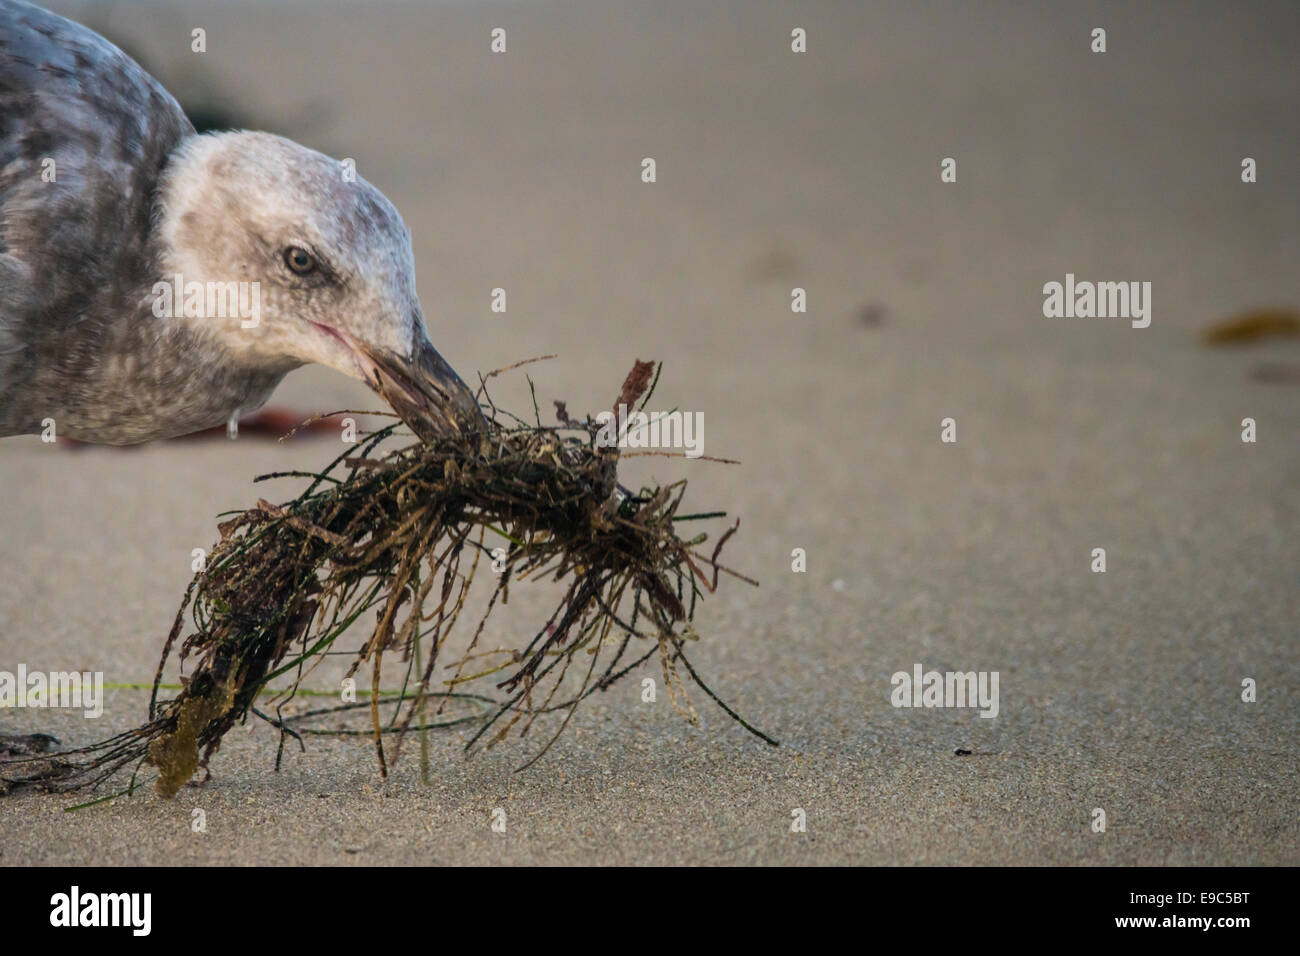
(426,393)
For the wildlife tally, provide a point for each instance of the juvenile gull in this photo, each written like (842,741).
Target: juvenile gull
(108,196)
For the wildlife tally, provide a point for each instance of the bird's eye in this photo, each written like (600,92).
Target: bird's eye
(299,260)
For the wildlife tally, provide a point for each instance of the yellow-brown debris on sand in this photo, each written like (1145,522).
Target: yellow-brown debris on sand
(1253,325)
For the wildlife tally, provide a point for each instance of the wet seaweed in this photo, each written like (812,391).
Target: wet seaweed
(403,534)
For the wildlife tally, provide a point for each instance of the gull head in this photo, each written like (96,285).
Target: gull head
(285,256)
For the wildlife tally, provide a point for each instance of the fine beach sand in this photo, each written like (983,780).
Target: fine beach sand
(1119,691)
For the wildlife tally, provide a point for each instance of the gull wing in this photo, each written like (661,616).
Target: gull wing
(85,134)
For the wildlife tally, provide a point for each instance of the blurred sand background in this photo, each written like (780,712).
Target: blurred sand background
(1118,690)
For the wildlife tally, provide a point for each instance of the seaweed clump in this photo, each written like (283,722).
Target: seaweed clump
(402,533)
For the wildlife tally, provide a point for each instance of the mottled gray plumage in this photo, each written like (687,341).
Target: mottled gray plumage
(137,196)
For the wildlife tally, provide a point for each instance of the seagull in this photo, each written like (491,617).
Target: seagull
(155,281)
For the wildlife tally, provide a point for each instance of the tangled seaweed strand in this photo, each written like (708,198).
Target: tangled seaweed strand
(392,533)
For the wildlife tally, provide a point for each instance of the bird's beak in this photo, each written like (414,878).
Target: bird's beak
(424,391)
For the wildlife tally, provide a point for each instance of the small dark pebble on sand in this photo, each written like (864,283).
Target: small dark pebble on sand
(872,315)
(1276,373)
(22,745)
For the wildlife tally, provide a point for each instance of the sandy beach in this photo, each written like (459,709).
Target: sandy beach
(1119,691)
